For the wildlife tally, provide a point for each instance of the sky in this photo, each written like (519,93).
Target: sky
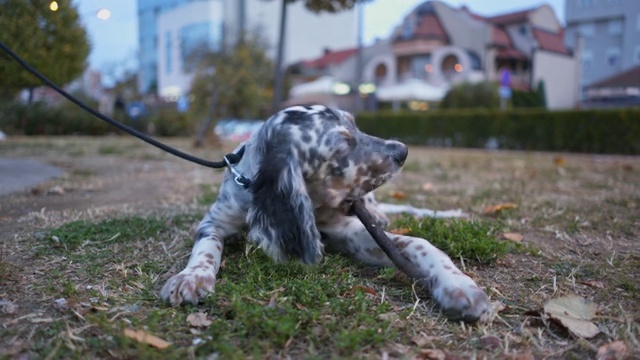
(114,41)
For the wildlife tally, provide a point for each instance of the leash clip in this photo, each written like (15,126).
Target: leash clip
(239,178)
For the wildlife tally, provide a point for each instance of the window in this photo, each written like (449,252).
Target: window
(587,60)
(585,3)
(615,27)
(613,57)
(168,52)
(419,68)
(196,39)
(587,30)
(407,29)
(523,30)
(638,23)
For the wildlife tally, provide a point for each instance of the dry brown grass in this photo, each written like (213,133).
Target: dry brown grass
(579,215)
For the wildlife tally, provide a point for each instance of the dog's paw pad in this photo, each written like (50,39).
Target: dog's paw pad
(189,286)
(466,303)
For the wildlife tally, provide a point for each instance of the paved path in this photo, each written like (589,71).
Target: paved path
(19,174)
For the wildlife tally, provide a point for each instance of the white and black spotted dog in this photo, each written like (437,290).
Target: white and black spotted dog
(307,165)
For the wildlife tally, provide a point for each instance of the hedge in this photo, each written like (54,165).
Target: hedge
(589,131)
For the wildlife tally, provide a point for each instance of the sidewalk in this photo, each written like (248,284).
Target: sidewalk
(19,174)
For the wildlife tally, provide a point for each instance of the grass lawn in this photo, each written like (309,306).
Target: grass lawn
(83,257)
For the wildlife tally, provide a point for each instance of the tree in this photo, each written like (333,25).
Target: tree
(54,42)
(234,83)
(317,6)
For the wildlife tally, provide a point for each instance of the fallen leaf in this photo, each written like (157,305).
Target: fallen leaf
(390,316)
(523,356)
(559,161)
(397,195)
(494,209)
(497,306)
(198,320)
(144,337)
(422,339)
(594,283)
(490,342)
(273,300)
(515,237)
(365,289)
(301,307)
(427,187)
(56,190)
(575,313)
(7,307)
(400,231)
(431,354)
(612,351)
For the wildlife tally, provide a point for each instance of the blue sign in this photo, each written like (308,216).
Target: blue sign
(504,92)
(505,77)
(135,109)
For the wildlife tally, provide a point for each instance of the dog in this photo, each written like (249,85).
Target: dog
(308,164)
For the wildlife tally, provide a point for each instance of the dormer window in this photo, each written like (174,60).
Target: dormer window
(407,29)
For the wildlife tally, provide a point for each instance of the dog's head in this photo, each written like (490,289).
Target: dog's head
(312,156)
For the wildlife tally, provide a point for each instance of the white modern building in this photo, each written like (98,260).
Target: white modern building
(182,32)
(169,28)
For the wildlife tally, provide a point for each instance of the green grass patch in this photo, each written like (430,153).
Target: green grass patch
(101,235)
(208,194)
(472,240)
(110,150)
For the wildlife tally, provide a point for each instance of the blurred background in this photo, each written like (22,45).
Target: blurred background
(217,68)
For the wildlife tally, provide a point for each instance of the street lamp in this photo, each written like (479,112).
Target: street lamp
(103,14)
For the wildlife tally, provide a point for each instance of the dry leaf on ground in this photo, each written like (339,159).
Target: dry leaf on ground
(575,313)
(365,289)
(612,351)
(559,161)
(397,195)
(422,339)
(431,354)
(515,237)
(198,320)
(400,231)
(146,338)
(494,209)
(7,307)
(427,186)
(594,283)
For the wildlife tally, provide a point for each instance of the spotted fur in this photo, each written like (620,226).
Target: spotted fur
(307,164)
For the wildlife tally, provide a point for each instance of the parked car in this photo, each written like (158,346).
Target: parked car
(236,130)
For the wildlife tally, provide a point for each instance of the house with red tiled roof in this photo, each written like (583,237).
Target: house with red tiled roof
(440,46)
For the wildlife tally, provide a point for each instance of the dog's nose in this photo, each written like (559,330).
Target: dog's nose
(399,151)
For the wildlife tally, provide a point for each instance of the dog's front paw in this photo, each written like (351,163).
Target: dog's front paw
(461,299)
(189,286)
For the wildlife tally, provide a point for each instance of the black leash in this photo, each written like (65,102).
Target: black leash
(229,161)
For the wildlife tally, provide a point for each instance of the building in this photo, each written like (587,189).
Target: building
(437,46)
(610,32)
(183,33)
(163,25)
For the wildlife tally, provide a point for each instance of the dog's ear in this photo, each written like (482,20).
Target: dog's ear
(281,217)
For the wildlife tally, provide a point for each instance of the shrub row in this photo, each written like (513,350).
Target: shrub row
(590,131)
(66,118)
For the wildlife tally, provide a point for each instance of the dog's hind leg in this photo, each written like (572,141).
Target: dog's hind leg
(457,294)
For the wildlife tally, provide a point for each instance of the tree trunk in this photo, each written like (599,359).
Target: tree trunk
(279,75)
(207,122)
